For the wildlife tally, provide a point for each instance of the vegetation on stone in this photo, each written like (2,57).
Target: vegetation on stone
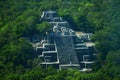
(20,18)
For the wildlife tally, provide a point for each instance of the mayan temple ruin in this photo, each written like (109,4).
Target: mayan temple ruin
(63,47)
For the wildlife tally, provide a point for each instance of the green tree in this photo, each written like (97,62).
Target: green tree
(43,27)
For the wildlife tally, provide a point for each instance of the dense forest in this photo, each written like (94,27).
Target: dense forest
(20,18)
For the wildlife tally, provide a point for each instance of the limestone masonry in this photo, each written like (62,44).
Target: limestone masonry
(63,47)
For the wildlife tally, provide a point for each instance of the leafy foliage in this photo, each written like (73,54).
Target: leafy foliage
(20,18)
